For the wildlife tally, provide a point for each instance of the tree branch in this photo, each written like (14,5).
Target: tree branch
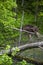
(23,47)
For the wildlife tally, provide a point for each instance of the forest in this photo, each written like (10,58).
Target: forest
(21,32)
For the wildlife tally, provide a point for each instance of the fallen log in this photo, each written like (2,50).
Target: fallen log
(23,47)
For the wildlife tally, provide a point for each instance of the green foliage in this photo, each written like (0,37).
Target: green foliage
(41,14)
(7,47)
(7,21)
(16,50)
(23,63)
(5,60)
(6,13)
